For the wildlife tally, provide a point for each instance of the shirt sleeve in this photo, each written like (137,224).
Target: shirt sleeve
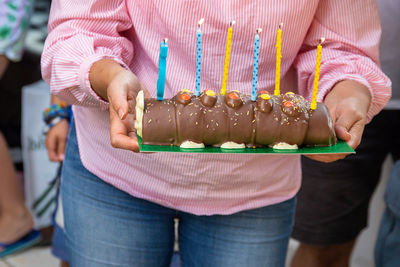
(81,33)
(350,52)
(14,22)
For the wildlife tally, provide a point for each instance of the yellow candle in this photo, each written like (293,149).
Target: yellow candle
(278,61)
(316,77)
(227,55)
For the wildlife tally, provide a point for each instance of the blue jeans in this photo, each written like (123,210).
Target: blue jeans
(108,227)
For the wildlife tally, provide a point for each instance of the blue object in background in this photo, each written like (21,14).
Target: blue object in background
(162,69)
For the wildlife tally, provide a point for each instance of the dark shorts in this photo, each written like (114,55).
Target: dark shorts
(332,205)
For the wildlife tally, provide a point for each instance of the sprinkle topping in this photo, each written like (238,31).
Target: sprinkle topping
(233,95)
(185,97)
(288,104)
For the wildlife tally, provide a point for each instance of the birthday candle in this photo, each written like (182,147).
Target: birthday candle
(255,66)
(162,68)
(278,60)
(316,77)
(227,55)
(198,57)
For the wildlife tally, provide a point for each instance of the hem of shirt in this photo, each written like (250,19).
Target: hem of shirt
(202,212)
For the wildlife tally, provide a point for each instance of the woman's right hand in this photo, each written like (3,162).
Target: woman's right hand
(119,87)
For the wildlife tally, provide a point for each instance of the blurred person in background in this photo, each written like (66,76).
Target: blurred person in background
(15,219)
(387,249)
(56,140)
(332,207)
(387,246)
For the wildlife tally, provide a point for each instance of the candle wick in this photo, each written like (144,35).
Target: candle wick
(322,40)
(232,23)
(165,40)
(281,25)
(200,22)
(259,30)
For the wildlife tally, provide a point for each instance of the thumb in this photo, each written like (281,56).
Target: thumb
(342,127)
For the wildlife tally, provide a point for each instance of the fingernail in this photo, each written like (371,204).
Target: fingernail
(121,114)
(62,157)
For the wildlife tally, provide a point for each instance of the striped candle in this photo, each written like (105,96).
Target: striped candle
(255,65)
(198,58)
(162,69)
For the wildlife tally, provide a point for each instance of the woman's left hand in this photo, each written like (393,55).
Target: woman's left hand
(348,103)
(56,140)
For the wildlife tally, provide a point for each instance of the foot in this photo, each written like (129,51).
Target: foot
(14,225)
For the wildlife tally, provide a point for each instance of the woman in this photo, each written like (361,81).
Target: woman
(235,210)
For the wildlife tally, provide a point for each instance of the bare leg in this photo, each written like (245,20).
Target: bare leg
(323,256)
(15,219)
(3,65)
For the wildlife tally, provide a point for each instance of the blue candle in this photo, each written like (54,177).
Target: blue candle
(162,69)
(198,58)
(255,66)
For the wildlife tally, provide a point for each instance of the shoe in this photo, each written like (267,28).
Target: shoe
(25,242)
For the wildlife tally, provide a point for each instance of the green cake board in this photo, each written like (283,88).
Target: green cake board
(341,147)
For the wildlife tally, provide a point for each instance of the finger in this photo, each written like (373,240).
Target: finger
(344,122)
(327,158)
(51,147)
(356,134)
(342,132)
(124,142)
(119,134)
(119,100)
(61,148)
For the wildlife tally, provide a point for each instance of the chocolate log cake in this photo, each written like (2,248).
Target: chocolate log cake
(233,121)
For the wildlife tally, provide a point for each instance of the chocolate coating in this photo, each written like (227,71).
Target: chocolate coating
(234,99)
(320,128)
(264,105)
(183,97)
(207,100)
(214,120)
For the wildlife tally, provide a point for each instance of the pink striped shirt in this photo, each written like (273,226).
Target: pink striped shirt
(130,31)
